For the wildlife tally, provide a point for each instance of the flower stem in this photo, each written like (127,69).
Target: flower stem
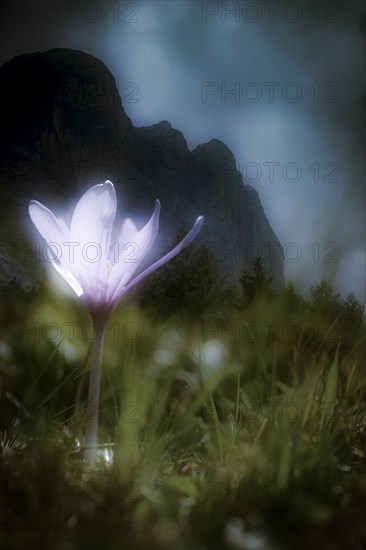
(94,392)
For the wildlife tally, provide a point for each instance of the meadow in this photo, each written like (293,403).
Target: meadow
(230,418)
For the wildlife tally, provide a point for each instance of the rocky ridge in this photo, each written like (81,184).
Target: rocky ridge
(64,128)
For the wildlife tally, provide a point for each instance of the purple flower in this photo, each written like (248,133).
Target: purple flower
(100,274)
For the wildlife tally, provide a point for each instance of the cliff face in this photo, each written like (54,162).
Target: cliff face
(62,120)
(64,128)
(206,181)
(235,212)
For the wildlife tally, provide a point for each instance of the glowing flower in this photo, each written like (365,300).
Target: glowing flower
(98,272)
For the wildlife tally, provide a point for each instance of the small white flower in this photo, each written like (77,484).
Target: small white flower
(98,273)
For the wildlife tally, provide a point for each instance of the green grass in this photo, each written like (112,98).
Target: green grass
(214,434)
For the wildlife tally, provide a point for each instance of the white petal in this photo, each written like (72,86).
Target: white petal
(46,223)
(55,232)
(135,250)
(64,227)
(94,214)
(127,233)
(69,278)
(183,243)
(91,226)
(132,254)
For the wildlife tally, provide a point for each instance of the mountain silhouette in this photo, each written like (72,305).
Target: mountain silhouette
(64,129)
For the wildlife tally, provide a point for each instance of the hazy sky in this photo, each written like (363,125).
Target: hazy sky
(281,83)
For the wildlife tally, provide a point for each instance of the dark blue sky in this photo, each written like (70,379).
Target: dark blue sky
(281,83)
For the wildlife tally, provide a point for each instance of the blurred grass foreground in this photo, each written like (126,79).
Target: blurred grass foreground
(231,417)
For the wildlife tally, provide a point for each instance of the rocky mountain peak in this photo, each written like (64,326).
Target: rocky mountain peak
(64,128)
(214,147)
